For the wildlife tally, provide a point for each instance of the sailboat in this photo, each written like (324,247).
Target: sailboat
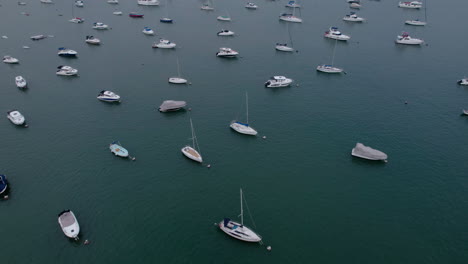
(166,19)
(284,46)
(191,152)
(244,128)
(227,17)
(76,19)
(207,6)
(238,230)
(417,22)
(330,68)
(178,79)
(288,17)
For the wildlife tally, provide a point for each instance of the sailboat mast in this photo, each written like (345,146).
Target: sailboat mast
(242,209)
(178,67)
(193,135)
(247,104)
(333,56)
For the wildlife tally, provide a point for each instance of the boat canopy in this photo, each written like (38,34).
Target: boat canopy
(171,104)
(279,78)
(369,152)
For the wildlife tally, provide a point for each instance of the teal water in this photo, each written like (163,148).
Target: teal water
(311,201)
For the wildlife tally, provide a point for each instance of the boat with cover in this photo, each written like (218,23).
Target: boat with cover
(20,82)
(108,96)
(64,52)
(171,105)
(148,2)
(244,128)
(92,40)
(412,4)
(369,153)
(293,4)
(278,81)
(38,37)
(224,18)
(16,117)
(79,3)
(148,31)
(463,81)
(415,22)
(290,18)
(251,6)
(191,152)
(66,71)
(239,230)
(164,44)
(3,183)
(334,33)
(116,148)
(405,38)
(177,79)
(76,20)
(227,53)
(225,32)
(99,25)
(352,17)
(135,15)
(69,224)
(10,60)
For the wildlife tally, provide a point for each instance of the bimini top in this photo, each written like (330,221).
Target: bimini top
(368,153)
(171,104)
(279,78)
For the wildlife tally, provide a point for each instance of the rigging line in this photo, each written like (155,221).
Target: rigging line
(248,210)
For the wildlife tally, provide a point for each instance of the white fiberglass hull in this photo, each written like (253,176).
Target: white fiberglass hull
(20,82)
(415,23)
(284,48)
(329,69)
(69,224)
(291,19)
(350,19)
(93,41)
(353,153)
(243,129)
(165,46)
(177,80)
(221,18)
(410,42)
(148,3)
(463,81)
(230,33)
(19,121)
(239,232)
(338,37)
(192,154)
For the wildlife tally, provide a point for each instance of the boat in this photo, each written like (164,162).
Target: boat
(330,68)
(207,7)
(10,60)
(415,22)
(293,4)
(20,82)
(352,17)
(64,52)
(76,20)
(463,81)
(278,81)
(164,44)
(3,183)
(22,3)
(66,71)
(92,40)
(251,6)
(333,33)
(405,38)
(116,148)
(114,2)
(239,230)
(69,224)
(79,3)
(369,153)
(178,79)
(148,31)
(47,1)
(225,32)
(171,105)
(227,53)
(191,152)
(99,25)
(224,18)
(117,13)
(108,96)
(290,18)
(283,47)
(165,20)
(244,128)
(148,2)
(135,15)
(412,4)
(355,5)
(465,112)
(38,37)
(16,117)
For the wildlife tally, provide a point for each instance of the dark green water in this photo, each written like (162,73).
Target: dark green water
(311,201)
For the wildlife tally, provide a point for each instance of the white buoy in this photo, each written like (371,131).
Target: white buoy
(269,248)
(264,137)
(208,166)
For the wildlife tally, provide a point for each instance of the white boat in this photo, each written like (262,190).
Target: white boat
(191,151)
(64,52)
(164,44)
(148,31)
(239,230)
(99,25)
(283,47)
(79,3)
(465,112)
(244,128)
(114,2)
(76,20)
(66,71)
(207,7)
(47,1)
(227,53)
(355,5)
(20,82)
(352,17)
(69,224)
(117,149)
(16,117)
(369,153)
(117,13)
(22,3)
(330,68)
(293,4)
(415,22)
(171,105)
(225,32)
(10,60)
(38,37)
(251,6)
(224,18)
(463,81)
(148,2)
(108,96)
(407,40)
(334,33)
(177,79)
(412,4)
(92,40)
(278,81)
(290,18)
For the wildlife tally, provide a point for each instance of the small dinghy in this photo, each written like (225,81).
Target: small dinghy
(415,22)
(92,40)
(20,82)
(76,20)
(463,81)
(79,3)
(191,151)
(334,33)
(10,60)
(99,25)
(164,44)
(148,2)
(293,4)
(283,47)
(290,18)
(227,53)
(66,71)
(3,183)
(278,81)
(369,153)
(251,6)
(223,18)
(118,150)
(64,52)
(171,105)
(413,4)
(135,15)
(405,39)
(38,37)
(352,17)
(329,69)
(148,31)
(69,224)
(225,32)
(165,20)
(16,117)
(108,96)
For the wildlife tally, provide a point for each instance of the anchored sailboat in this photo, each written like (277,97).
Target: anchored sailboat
(191,152)
(330,68)
(178,79)
(244,128)
(284,46)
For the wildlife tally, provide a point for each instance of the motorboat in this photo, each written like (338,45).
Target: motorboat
(251,6)
(278,81)
(334,33)
(283,47)
(290,18)
(355,5)
(166,20)
(108,96)
(116,148)
(463,81)
(76,20)
(227,53)
(10,60)
(293,4)
(412,4)
(329,69)
(135,15)
(191,152)
(244,127)
(79,3)
(148,2)
(38,37)
(369,153)
(20,82)
(69,224)
(171,105)
(405,38)
(223,18)
(64,52)
(16,117)
(3,183)
(415,22)
(47,1)
(117,13)
(352,17)
(66,71)
(92,40)
(148,31)
(177,80)
(207,7)
(114,2)
(465,112)
(225,32)
(164,44)
(99,25)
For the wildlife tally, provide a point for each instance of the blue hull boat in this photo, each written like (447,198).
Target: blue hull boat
(165,20)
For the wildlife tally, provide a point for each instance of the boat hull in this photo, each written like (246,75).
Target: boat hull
(243,129)
(326,69)
(192,154)
(3,183)
(69,224)
(240,232)
(284,48)
(176,80)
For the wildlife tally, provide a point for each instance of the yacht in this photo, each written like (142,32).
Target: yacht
(148,31)
(69,224)
(79,3)
(352,17)
(223,18)
(415,22)
(99,25)
(38,37)
(225,32)
(20,82)
(251,6)
(369,153)
(333,33)
(329,69)
(10,60)
(16,117)
(171,105)
(3,183)
(278,81)
(412,4)
(148,2)
(108,96)
(76,20)
(405,38)
(463,81)
(66,71)
(290,18)
(64,52)
(227,53)
(191,152)
(293,4)
(114,2)
(117,149)
(283,47)
(92,40)
(164,44)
